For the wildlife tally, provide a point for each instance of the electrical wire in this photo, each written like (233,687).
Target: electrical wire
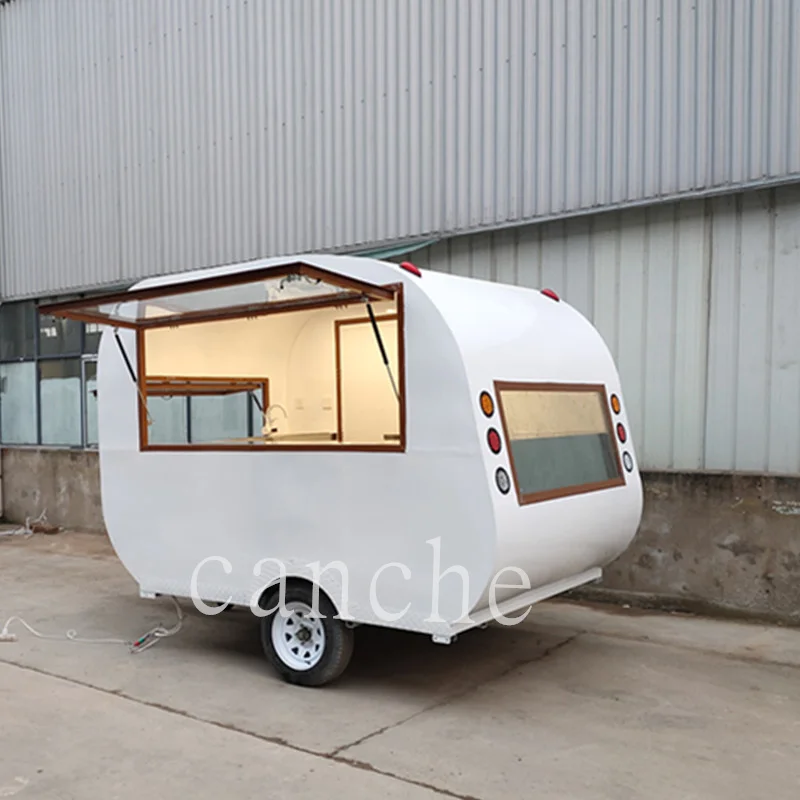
(27,530)
(145,641)
(159,631)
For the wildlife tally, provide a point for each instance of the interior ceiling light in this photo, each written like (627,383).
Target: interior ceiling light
(294,285)
(303,280)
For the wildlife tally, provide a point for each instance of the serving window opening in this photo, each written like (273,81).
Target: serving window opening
(286,358)
(560,438)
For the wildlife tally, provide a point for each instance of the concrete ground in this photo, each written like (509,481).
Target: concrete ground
(577,702)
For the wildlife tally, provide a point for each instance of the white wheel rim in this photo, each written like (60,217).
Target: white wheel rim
(297,636)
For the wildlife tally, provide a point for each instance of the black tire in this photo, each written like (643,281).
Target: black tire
(337,649)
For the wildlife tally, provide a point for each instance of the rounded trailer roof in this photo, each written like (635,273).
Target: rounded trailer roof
(452,294)
(518,333)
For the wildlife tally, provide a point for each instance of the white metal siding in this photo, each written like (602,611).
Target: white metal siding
(699,302)
(151,136)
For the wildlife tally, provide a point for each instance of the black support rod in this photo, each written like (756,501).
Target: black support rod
(382,348)
(125,356)
(132,373)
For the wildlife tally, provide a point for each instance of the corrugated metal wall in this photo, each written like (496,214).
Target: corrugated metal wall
(159,135)
(700,304)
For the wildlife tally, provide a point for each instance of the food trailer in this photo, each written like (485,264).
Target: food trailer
(335,441)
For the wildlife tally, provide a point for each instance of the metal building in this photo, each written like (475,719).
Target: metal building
(151,136)
(642,157)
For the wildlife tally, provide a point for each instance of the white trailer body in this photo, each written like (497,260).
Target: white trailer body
(493,438)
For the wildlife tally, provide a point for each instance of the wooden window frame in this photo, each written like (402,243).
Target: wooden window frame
(196,386)
(390,291)
(565,491)
(202,386)
(356,292)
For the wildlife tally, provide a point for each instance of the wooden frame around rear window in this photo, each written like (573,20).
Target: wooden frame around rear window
(566,491)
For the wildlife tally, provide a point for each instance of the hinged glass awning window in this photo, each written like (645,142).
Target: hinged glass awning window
(251,293)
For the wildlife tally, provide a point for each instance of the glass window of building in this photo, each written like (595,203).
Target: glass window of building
(60,400)
(17,331)
(219,418)
(168,420)
(59,337)
(18,403)
(90,401)
(91,337)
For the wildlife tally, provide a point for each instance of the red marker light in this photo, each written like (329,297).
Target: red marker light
(409,267)
(621,432)
(493,438)
(551,294)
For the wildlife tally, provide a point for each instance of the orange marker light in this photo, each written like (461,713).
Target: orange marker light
(487,404)
(615,404)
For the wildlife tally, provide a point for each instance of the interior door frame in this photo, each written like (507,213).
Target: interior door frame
(338,346)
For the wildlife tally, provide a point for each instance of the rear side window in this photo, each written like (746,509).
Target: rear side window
(560,438)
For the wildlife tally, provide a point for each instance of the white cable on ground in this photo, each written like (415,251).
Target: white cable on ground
(159,631)
(27,529)
(137,646)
